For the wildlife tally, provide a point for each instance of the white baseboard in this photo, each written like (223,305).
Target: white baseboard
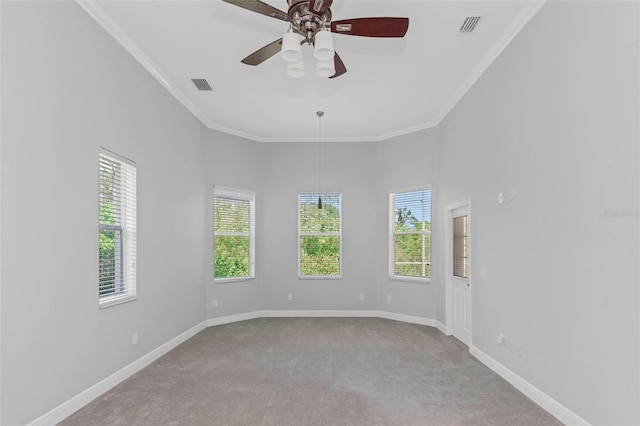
(552,406)
(232,318)
(77,402)
(407,318)
(443,328)
(69,407)
(325,313)
(318,313)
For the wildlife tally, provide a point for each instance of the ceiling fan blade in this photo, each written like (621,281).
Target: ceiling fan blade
(262,54)
(340,68)
(372,27)
(319,6)
(260,7)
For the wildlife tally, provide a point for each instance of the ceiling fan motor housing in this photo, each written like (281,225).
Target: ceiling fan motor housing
(309,17)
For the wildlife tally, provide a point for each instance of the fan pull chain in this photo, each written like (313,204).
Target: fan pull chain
(320,114)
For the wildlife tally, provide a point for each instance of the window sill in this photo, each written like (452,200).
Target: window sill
(319,277)
(109,301)
(410,279)
(232,280)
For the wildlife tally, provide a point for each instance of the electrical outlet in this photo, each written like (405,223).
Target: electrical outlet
(215,303)
(520,350)
(500,338)
(134,339)
(483,272)
(388,298)
(361,296)
(290,296)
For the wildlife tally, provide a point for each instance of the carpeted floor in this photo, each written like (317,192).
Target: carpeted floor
(315,371)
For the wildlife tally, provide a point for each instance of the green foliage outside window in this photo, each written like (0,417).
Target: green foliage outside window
(232,240)
(107,260)
(107,243)
(319,231)
(412,236)
(231,258)
(409,249)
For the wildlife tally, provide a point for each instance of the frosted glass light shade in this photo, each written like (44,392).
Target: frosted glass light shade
(291,51)
(323,46)
(295,69)
(326,68)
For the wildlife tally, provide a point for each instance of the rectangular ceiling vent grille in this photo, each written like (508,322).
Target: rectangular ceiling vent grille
(469,24)
(202,84)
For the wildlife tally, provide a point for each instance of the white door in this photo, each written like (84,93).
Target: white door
(460,275)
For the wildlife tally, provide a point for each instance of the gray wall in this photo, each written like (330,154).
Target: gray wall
(68,88)
(292,168)
(364,173)
(402,162)
(556,118)
(237,163)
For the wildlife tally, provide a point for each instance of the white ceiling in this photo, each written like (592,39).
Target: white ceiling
(392,86)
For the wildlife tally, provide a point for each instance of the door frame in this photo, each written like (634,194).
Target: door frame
(448,248)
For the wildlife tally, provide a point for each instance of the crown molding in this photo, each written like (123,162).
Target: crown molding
(98,14)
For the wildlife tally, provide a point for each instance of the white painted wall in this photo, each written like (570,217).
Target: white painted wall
(556,118)
(237,163)
(68,88)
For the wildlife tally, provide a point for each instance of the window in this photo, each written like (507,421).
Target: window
(460,246)
(410,234)
(319,236)
(117,230)
(233,234)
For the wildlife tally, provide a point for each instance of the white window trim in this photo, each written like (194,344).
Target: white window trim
(107,301)
(241,194)
(129,239)
(392,276)
(331,234)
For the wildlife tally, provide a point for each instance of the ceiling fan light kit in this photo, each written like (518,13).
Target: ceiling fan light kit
(291,51)
(310,23)
(325,68)
(295,69)
(323,50)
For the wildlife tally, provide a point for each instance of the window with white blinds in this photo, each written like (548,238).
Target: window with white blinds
(233,234)
(319,236)
(410,234)
(117,230)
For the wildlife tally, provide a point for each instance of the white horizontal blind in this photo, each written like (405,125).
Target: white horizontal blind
(234,234)
(117,230)
(319,235)
(410,225)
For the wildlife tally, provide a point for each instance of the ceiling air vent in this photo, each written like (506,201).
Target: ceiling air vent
(469,24)
(202,84)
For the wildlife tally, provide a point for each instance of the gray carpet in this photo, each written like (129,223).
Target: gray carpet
(315,371)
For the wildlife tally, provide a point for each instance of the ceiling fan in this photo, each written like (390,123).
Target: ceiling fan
(310,23)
